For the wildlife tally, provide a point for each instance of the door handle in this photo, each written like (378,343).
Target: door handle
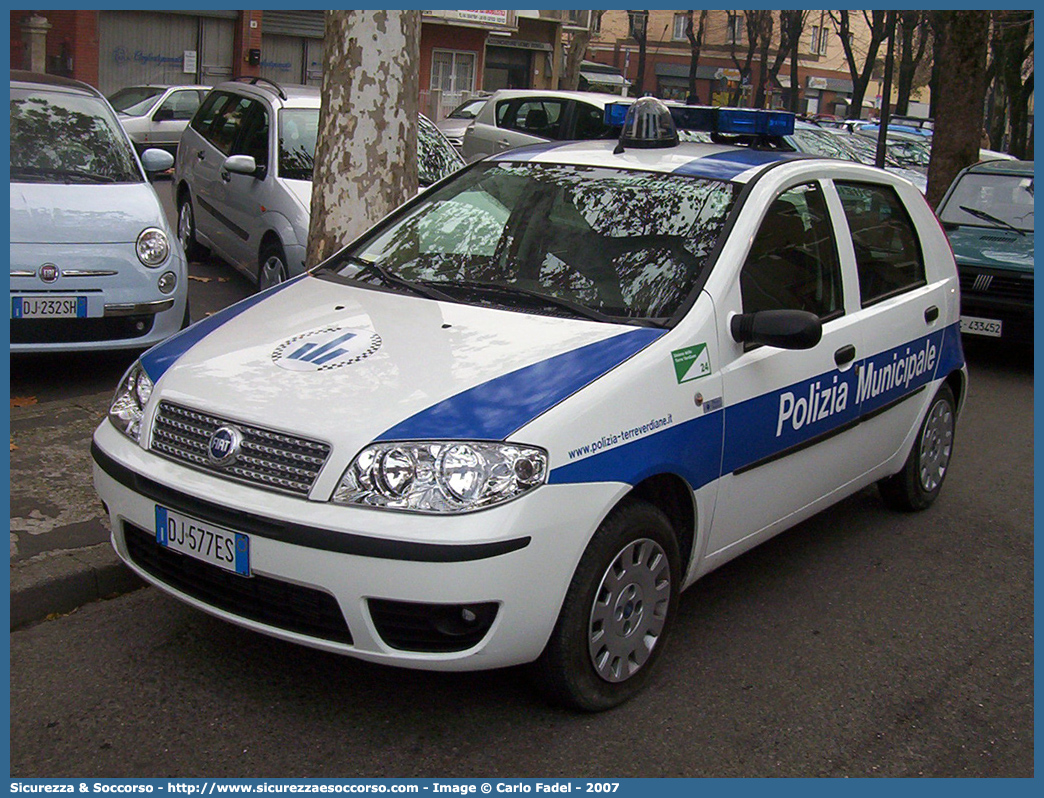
(226,176)
(846,354)
(201,155)
(931,314)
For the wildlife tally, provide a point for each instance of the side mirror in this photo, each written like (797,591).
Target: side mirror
(156,160)
(163,115)
(785,329)
(243,165)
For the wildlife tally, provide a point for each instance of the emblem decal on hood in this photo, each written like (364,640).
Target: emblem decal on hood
(326,348)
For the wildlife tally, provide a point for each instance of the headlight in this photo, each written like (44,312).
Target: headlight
(441,476)
(152,247)
(128,405)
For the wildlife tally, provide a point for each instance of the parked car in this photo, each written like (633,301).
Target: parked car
(988,215)
(243,180)
(457,121)
(838,144)
(515,118)
(94,263)
(512,421)
(156,115)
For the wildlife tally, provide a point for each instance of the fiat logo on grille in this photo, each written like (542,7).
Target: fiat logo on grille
(223,447)
(49,273)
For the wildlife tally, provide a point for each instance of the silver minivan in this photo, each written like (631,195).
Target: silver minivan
(243,180)
(516,118)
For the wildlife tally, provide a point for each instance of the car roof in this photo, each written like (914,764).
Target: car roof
(1002,167)
(691,159)
(164,86)
(286,95)
(28,80)
(593,97)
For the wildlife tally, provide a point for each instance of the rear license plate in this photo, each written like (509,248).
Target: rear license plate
(204,541)
(973,325)
(48,307)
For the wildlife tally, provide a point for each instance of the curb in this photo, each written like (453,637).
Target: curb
(64,581)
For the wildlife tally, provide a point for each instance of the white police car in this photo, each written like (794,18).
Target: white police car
(514,420)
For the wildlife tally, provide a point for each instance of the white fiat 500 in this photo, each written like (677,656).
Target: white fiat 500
(513,421)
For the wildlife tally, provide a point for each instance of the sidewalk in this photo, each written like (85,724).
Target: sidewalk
(60,554)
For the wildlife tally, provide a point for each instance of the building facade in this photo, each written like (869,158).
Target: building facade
(824,85)
(461,52)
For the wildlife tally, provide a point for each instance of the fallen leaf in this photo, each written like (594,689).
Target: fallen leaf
(224,279)
(13,447)
(199,279)
(23,401)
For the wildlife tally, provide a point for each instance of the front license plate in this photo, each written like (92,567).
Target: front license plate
(203,541)
(973,325)
(48,307)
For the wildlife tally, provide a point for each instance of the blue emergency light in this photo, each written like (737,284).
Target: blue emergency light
(635,119)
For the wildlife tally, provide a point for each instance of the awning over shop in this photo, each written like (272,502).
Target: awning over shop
(602,75)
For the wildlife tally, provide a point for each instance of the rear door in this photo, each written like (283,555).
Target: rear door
(902,315)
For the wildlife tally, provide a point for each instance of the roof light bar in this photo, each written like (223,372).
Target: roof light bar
(730,121)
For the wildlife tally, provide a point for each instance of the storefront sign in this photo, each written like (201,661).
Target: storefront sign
(489,17)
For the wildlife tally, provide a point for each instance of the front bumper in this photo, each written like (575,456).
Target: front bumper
(357,580)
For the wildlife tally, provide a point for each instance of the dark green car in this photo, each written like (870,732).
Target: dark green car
(988,215)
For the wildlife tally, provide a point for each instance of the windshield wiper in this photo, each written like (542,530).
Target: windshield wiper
(549,300)
(989,217)
(67,174)
(390,279)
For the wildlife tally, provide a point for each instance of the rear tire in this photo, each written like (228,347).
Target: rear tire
(617,613)
(919,482)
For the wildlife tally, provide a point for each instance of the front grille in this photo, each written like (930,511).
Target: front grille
(269,601)
(266,458)
(998,286)
(75,331)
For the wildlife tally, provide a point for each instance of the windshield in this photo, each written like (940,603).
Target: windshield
(1008,198)
(437,158)
(66,138)
(865,150)
(136,100)
(298,130)
(468,110)
(819,142)
(625,244)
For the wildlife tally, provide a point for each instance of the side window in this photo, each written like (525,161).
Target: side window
(180,105)
(253,139)
(590,122)
(793,262)
(536,117)
(887,251)
(208,112)
(227,124)
(503,111)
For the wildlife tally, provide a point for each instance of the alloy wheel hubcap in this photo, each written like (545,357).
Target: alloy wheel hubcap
(629,610)
(936,444)
(273,272)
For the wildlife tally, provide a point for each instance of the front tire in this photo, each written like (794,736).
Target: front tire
(919,482)
(194,251)
(617,613)
(272,268)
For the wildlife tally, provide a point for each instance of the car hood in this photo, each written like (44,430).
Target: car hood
(351,365)
(56,213)
(992,248)
(453,128)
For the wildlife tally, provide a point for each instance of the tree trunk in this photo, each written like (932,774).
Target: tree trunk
(695,37)
(958,119)
(860,77)
(366,152)
(577,52)
(1015,26)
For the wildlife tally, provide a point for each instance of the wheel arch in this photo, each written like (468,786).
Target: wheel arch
(957,380)
(672,495)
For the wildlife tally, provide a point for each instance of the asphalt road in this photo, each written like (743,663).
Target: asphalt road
(860,643)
